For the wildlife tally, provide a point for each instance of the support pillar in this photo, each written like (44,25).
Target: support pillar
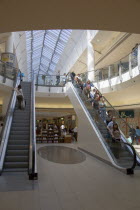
(9,57)
(139,58)
(9,44)
(90,58)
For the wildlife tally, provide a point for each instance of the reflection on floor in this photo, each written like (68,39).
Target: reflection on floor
(90,185)
(61,154)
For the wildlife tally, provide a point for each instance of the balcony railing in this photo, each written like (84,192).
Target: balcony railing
(128,65)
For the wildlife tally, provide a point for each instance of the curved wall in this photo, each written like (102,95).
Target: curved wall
(26,15)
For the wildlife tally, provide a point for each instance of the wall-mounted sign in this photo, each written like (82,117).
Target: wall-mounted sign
(8,58)
(126,113)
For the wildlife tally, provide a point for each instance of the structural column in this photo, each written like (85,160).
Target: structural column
(9,57)
(90,58)
(139,58)
(9,44)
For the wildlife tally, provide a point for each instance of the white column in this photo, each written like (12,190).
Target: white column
(109,75)
(9,44)
(130,66)
(90,58)
(139,58)
(120,73)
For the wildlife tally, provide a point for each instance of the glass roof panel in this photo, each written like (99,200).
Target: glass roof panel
(44,49)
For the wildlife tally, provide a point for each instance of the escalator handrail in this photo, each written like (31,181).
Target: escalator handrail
(7,122)
(134,154)
(102,141)
(114,109)
(32,150)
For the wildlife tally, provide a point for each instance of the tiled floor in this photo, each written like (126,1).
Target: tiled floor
(90,185)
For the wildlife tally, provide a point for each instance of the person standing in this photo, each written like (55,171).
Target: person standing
(62,127)
(64,78)
(137,134)
(116,135)
(58,78)
(75,130)
(72,75)
(109,116)
(95,104)
(110,125)
(132,133)
(78,76)
(92,94)
(102,108)
(1,126)
(20,97)
(87,88)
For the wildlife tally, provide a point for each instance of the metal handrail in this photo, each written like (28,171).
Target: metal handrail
(7,123)
(114,109)
(32,149)
(129,170)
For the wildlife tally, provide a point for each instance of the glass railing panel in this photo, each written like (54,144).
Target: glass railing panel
(1,69)
(124,63)
(114,70)
(10,72)
(51,80)
(122,156)
(134,57)
(7,71)
(101,74)
(84,77)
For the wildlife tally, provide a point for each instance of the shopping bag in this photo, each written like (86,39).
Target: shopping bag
(23,104)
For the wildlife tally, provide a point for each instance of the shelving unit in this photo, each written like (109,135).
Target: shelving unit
(50,136)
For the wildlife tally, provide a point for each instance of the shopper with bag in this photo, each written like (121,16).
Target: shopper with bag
(20,97)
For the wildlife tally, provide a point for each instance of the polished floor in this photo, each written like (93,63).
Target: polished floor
(89,185)
(61,154)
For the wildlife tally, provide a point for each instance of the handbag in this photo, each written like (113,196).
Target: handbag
(23,104)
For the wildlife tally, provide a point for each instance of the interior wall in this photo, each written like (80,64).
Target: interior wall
(49,102)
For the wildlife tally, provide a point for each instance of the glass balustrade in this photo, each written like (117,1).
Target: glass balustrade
(134,57)
(124,65)
(7,71)
(51,80)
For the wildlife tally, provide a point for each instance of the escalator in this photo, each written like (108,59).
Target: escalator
(18,147)
(94,137)
(17,153)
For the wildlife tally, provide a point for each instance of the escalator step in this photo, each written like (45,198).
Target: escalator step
(17,152)
(18,147)
(16,158)
(16,165)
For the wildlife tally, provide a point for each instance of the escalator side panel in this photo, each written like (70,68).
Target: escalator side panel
(88,137)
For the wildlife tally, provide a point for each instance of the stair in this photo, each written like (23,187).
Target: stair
(17,154)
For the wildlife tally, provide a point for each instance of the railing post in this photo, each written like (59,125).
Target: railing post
(36,82)
(139,58)
(120,72)
(130,66)
(109,75)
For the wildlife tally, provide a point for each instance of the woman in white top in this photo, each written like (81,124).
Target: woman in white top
(19,96)
(102,108)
